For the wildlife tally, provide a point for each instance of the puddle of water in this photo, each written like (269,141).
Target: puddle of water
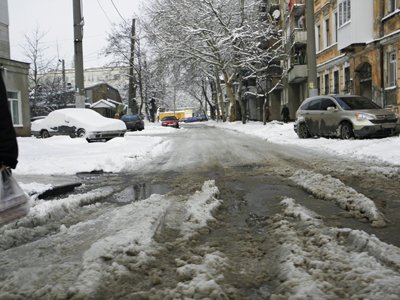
(139,191)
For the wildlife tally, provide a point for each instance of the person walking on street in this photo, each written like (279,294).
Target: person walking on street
(285,113)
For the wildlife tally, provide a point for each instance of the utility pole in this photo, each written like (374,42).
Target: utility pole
(78,37)
(311,50)
(132,104)
(63,73)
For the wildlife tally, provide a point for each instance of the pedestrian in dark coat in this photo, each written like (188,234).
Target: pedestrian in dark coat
(285,113)
(8,139)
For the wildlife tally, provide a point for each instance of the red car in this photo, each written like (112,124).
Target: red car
(171,121)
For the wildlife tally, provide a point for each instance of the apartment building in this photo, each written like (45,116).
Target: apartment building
(295,39)
(114,76)
(15,74)
(357,44)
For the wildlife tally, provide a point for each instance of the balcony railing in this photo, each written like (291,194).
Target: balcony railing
(297,73)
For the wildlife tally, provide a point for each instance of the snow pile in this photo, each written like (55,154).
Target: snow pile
(318,262)
(200,208)
(43,212)
(329,188)
(199,280)
(33,188)
(127,244)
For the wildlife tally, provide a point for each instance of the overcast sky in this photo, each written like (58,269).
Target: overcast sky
(55,18)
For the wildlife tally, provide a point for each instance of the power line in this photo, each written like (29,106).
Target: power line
(109,20)
(112,1)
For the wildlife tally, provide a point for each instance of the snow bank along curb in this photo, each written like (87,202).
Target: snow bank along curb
(318,262)
(43,212)
(329,188)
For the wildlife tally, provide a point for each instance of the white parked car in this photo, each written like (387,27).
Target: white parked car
(78,122)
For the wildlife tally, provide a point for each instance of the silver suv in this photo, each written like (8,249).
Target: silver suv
(345,117)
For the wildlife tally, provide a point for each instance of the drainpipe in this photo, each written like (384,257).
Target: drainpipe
(381,52)
(311,49)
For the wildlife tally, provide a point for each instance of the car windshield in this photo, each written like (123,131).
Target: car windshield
(351,103)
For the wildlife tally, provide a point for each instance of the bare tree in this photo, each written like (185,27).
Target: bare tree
(125,47)
(42,87)
(222,35)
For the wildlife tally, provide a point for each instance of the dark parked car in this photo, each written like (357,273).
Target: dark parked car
(133,122)
(78,122)
(195,119)
(346,116)
(171,121)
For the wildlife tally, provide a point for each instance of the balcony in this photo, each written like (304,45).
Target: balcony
(298,37)
(297,7)
(359,30)
(297,74)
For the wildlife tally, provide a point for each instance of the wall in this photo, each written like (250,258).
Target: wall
(4,33)
(16,79)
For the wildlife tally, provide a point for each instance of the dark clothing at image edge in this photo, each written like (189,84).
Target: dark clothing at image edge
(8,140)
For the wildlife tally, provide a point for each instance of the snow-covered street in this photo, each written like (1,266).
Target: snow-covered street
(211,210)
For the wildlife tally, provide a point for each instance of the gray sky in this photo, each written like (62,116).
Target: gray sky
(55,18)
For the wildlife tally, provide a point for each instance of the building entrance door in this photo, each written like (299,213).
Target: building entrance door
(365,76)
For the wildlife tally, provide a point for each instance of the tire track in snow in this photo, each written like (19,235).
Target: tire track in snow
(314,261)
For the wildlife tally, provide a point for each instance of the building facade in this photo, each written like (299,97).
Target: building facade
(295,39)
(115,76)
(15,76)
(357,44)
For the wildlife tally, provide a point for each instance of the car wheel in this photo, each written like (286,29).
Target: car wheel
(302,131)
(346,131)
(45,134)
(80,133)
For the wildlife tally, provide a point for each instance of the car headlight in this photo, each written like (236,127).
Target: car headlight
(364,116)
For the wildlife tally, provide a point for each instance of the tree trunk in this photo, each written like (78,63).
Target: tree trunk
(132,104)
(214,97)
(231,96)
(220,98)
(212,107)
(241,101)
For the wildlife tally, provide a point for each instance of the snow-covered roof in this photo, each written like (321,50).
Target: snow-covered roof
(103,104)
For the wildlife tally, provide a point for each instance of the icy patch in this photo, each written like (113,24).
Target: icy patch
(200,208)
(329,188)
(318,262)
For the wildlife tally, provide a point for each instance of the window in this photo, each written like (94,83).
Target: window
(318,36)
(14,103)
(325,103)
(314,105)
(336,82)
(391,6)
(347,81)
(326,81)
(319,85)
(344,12)
(391,69)
(327,37)
(335,28)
